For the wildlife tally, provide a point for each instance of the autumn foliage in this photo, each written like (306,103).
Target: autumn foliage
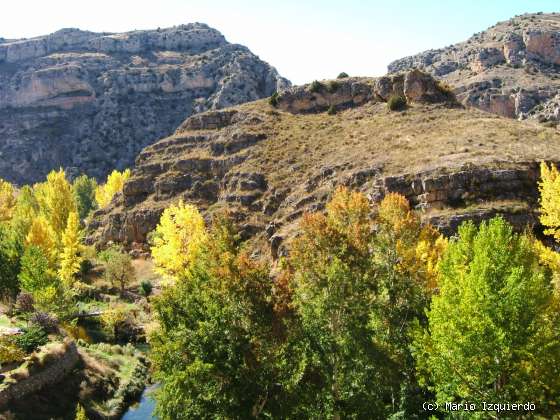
(115,182)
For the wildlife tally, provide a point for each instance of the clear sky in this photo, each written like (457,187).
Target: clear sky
(304,40)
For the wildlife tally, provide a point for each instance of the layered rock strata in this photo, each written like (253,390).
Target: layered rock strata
(268,165)
(89,102)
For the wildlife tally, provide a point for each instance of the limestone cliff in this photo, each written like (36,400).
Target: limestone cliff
(511,69)
(270,164)
(90,102)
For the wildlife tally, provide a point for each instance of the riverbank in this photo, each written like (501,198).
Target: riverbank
(144,409)
(105,380)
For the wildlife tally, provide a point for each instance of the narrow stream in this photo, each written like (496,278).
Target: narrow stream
(144,409)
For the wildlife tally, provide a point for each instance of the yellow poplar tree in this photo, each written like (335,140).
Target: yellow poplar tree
(178,240)
(56,200)
(549,188)
(42,236)
(7,200)
(80,413)
(115,183)
(420,247)
(70,258)
(25,212)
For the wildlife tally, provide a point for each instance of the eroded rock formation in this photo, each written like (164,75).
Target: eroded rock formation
(511,69)
(90,102)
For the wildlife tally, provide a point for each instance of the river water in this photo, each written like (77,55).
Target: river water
(144,409)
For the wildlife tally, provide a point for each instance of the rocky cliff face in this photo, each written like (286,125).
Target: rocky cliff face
(270,164)
(511,69)
(90,102)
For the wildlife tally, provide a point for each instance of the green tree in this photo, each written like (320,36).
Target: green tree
(328,338)
(36,272)
(118,267)
(10,257)
(493,330)
(358,286)
(215,349)
(83,189)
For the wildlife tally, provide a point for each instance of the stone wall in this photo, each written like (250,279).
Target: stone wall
(50,375)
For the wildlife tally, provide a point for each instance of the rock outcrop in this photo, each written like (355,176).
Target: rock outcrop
(90,102)
(268,164)
(511,69)
(415,86)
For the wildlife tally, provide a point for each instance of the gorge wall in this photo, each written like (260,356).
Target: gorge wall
(89,102)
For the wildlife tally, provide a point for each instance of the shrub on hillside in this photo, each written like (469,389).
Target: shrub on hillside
(396,103)
(9,351)
(32,338)
(273,100)
(146,288)
(445,89)
(44,320)
(342,75)
(332,86)
(25,302)
(316,86)
(86,266)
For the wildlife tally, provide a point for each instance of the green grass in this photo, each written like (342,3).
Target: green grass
(6,322)
(123,364)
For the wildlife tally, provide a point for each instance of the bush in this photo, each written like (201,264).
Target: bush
(118,323)
(396,103)
(332,87)
(331,110)
(146,288)
(32,338)
(316,86)
(9,351)
(342,75)
(86,266)
(273,100)
(44,320)
(445,89)
(25,302)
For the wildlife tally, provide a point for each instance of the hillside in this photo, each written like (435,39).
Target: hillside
(271,164)
(511,69)
(90,102)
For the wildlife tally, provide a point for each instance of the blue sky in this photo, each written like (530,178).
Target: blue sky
(304,40)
